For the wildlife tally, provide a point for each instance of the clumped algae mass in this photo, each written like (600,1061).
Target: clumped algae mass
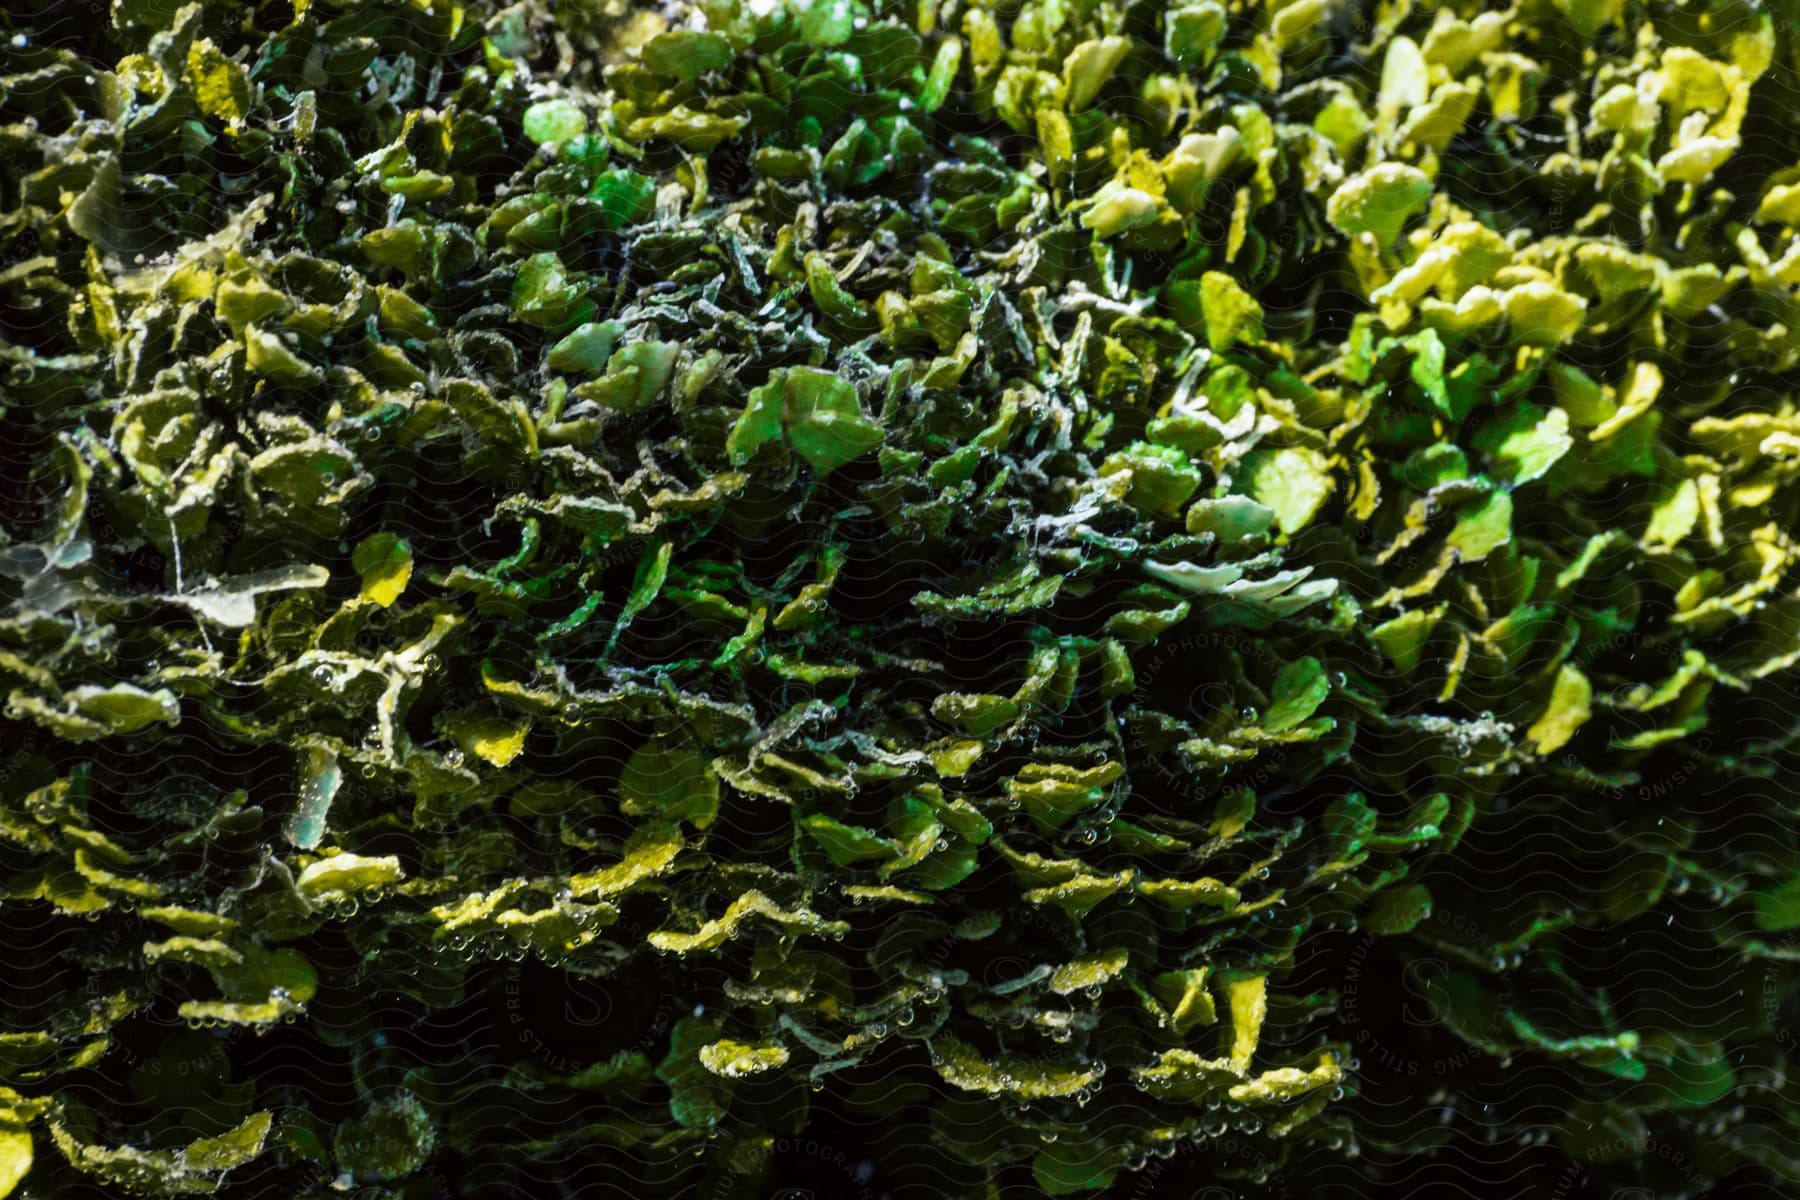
(927,598)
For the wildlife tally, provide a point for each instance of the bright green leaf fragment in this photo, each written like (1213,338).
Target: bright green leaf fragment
(1079,895)
(193,1169)
(1089,66)
(344,875)
(1542,314)
(1026,1079)
(826,22)
(1232,315)
(978,715)
(232,1149)
(1674,516)
(1284,1084)
(818,412)
(1191,31)
(1483,527)
(646,586)
(687,54)
(625,197)
(494,740)
(824,420)
(847,844)
(1184,998)
(1293,483)
(635,376)
(1248,999)
(554,121)
(1088,972)
(1403,638)
(737,1059)
(1162,478)
(649,851)
(221,86)
(1526,442)
(91,711)
(1379,201)
(268,354)
(1231,519)
(715,933)
(942,75)
(1299,690)
(1567,711)
(15,1158)
(545,294)
(1117,208)
(1187,893)
(384,560)
(587,348)
(125,708)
